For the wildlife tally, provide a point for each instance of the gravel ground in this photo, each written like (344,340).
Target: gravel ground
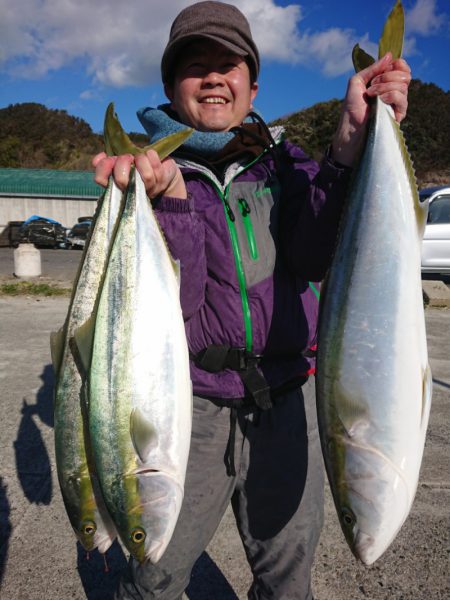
(39,559)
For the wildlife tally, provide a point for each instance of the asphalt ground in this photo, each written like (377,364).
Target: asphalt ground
(39,558)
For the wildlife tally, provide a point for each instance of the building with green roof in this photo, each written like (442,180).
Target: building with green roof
(64,196)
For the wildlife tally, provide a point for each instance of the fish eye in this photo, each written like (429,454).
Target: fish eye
(89,528)
(348,517)
(137,535)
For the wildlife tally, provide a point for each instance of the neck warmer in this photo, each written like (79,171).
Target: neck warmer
(162,121)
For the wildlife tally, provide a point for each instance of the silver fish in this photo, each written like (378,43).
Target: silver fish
(373,378)
(140,395)
(86,511)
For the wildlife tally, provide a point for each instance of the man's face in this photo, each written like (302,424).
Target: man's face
(211,90)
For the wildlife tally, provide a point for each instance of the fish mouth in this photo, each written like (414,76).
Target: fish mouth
(364,548)
(155,551)
(153,472)
(147,471)
(104,543)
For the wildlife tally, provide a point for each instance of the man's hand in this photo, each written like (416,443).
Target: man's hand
(159,177)
(386,78)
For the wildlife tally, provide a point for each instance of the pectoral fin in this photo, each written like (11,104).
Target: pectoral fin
(427,390)
(351,412)
(143,434)
(57,339)
(81,344)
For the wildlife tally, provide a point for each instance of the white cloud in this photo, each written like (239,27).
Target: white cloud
(424,19)
(121,42)
(89,95)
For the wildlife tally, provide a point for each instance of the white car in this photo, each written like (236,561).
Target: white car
(436,239)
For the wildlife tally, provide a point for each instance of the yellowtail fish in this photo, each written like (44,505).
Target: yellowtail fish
(82,499)
(373,378)
(140,394)
(76,473)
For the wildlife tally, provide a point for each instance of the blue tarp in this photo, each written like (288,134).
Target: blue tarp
(37,217)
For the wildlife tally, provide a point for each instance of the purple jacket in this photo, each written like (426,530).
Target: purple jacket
(249,248)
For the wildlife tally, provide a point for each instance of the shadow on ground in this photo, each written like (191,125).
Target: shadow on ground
(208,581)
(5,527)
(32,459)
(100,574)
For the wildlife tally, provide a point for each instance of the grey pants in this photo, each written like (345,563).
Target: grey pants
(276,495)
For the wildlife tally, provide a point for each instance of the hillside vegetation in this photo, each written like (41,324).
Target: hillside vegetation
(34,136)
(426,130)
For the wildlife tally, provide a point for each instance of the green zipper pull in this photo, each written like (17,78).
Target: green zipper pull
(229,210)
(245,211)
(245,208)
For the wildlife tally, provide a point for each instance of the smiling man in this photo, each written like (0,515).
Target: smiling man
(212,89)
(253,221)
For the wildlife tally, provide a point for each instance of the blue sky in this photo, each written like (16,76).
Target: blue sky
(79,55)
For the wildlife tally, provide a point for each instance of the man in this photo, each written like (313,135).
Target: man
(253,222)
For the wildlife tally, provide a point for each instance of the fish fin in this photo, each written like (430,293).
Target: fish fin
(117,140)
(57,339)
(352,414)
(427,392)
(169,143)
(391,40)
(361,60)
(392,37)
(177,270)
(421,209)
(143,433)
(81,344)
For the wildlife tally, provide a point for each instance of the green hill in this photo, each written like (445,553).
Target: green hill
(34,136)
(426,129)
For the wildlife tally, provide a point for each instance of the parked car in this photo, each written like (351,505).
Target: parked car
(10,236)
(436,239)
(76,237)
(42,232)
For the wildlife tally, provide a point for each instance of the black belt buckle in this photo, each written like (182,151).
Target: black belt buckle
(251,360)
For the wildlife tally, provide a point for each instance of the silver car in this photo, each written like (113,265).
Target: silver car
(436,239)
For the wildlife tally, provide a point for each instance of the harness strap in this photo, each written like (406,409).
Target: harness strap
(229,453)
(216,358)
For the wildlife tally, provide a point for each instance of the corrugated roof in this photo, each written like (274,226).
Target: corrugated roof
(48,183)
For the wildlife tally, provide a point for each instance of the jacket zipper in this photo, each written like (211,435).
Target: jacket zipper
(229,214)
(248,226)
(231,218)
